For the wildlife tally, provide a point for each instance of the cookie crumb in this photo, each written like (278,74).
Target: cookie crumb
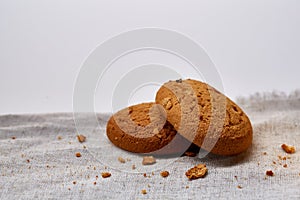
(13,137)
(288,148)
(164,174)
(190,154)
(28,161)
(105,174)
(187,187)
(269,173)
(81,138)
(169,105)
(274,162)
(285,166)
(69,188)
(133,167)
(240,187)
(199,171)
(144,191)
(145,175)
(166,102)
(264,153)
(59,137)
(121,160)
(74,182)
(78,154)
(95,183)
(148,160)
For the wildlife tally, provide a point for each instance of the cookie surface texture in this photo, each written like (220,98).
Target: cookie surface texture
(206,117)
(143,128)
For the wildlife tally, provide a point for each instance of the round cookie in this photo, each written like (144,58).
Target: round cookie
(206,117)
(143,128)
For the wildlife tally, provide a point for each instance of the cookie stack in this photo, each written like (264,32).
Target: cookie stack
(185,112)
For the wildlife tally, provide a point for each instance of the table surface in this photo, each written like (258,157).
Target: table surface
(36,164)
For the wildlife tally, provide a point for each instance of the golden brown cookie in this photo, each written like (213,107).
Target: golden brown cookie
(205,117)
(143,128)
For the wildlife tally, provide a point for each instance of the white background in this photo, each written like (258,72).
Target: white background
(254,44)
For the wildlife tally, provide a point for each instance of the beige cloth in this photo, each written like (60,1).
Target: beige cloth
(37,165)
